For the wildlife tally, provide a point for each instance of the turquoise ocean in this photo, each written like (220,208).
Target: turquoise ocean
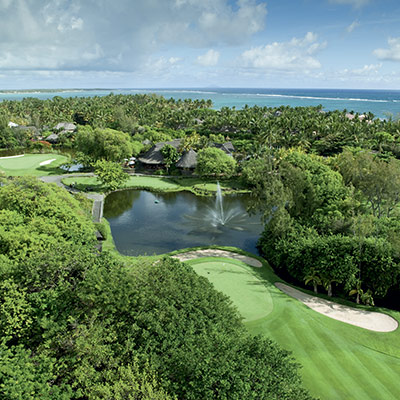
(382,103)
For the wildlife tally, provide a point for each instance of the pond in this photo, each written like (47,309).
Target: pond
(150,223)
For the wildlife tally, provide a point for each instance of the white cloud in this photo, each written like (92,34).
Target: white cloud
(247,20)
(5,3)
(160,66)
(93,54)
(368,74)
(297,54)
(208,59)
(390,54)
(173,60)
(352,26)
(117,35)
(354,3)
(367,70)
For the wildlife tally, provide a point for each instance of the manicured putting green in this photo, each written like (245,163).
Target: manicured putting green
(32,164)
(236,280)
(339,361)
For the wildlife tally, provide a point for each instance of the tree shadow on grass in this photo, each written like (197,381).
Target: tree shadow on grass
(85,187)
(50,170)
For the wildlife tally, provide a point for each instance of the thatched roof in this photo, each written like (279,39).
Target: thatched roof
(227,147)
(53,138)
(188,160)
(31,129)
(154,156)
(65,126)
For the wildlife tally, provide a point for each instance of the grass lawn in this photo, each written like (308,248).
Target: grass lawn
(29,164)
(195,185)
(340,361)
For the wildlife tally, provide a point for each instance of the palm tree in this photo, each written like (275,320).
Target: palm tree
(357,291)
(367,298)
(327,284)
(314,279)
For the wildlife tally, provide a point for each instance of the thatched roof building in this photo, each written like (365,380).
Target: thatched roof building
(53,138)
(154,156)
(188,160)
(227,147)
(65,126)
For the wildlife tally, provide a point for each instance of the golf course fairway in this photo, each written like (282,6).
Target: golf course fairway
(340,361)
(32,164)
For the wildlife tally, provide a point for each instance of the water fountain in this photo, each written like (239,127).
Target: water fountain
(218,217)
(219,206)
(159,223)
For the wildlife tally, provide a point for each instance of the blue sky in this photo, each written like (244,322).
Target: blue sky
(193,43)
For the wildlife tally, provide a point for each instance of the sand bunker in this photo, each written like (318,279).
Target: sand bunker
(370,320)
(47,161)
(190,255)
(3,158)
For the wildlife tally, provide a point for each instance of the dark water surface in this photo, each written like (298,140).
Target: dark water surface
(148,223)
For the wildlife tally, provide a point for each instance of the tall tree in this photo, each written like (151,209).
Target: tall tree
(110,174)
(108,144)
(170,155)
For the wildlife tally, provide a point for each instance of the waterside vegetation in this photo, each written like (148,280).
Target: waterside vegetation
(79,324)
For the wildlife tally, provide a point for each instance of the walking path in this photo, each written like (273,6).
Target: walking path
(373,321)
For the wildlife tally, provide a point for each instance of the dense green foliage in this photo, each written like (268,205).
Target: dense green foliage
(36,218)
(309,203)
(10,138)
(110,174)
(102,144)
(326,228)
(215,162)
(170,155)
(76,324)
(251,128)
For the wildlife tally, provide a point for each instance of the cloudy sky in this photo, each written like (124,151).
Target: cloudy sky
(200,43)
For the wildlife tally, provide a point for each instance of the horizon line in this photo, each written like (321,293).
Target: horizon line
(26,90)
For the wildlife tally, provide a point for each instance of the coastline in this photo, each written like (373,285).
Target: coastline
(380,102)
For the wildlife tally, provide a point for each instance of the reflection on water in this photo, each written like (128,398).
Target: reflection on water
(119,202)
(147,223)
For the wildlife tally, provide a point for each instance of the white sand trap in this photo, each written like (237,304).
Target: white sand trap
(47,161)
(370,320)
(190,255)
(3,158)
